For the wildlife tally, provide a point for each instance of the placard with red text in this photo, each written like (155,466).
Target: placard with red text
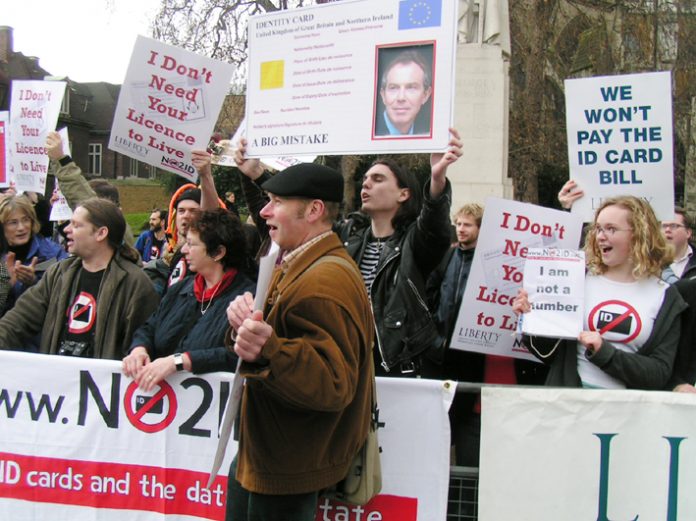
(33,114)
(168,105)
(486,323)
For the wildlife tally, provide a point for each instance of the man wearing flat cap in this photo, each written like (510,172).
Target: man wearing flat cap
(306,357)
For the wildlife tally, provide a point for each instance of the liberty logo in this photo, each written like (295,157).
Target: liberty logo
(672,491)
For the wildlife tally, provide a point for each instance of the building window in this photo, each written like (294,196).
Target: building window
(95,158)
(65,106)
(133,168)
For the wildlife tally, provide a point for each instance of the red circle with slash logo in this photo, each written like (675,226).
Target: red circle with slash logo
(142,405)
(618,317)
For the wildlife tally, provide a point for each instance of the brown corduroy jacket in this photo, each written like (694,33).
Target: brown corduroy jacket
(306,407)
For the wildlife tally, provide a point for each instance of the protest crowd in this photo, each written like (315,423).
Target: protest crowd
(394,292)
(378,292)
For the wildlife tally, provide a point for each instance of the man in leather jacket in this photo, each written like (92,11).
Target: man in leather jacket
(397,239)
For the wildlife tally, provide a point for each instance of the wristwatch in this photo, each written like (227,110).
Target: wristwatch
(179,361)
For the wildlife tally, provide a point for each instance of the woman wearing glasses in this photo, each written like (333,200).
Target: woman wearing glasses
(26,254)
(631,322)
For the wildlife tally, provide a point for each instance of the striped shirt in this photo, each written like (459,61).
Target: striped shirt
(369,261)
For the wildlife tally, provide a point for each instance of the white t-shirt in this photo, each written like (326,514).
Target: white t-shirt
(624,314)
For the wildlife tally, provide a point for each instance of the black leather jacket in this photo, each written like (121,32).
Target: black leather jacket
(405,328)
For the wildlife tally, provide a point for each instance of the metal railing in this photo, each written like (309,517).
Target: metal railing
(462,498)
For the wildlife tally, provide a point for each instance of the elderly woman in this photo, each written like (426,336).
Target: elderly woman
(26,254)
(187,331)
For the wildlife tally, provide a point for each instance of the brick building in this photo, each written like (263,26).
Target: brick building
(87,111)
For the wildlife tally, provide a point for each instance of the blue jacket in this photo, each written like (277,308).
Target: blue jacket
(178,326)
(48,253)
(144,245)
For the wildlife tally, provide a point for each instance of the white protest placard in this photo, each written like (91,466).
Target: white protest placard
(555,281)
(486,323)
(168,105)
(620,140)
(80,442)
(65,141)
(34,111)
(60,209)
(352,77)
(4,149)
(580,454)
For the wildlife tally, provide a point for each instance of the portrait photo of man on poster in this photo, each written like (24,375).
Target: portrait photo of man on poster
(404,91)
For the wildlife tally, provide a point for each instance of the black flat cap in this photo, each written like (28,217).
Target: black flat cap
(307,180)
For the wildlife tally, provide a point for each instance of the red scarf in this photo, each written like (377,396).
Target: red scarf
(202,293)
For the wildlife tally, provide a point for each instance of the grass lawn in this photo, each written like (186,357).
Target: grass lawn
(136,221)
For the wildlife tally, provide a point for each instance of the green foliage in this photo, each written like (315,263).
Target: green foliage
(226,179)
(170,182)
(551,179)
(417,163)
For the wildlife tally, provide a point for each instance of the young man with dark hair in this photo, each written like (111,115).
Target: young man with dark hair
(398,238)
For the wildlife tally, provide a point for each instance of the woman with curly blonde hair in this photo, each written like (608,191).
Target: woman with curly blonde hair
(631,317)
(650,252)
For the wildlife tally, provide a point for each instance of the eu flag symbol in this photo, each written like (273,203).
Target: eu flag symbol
(414,14)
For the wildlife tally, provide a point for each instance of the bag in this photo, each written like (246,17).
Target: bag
(364,478)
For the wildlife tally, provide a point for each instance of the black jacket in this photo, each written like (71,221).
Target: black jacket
(690,268)
(405,327)
(178,326)
(685,362)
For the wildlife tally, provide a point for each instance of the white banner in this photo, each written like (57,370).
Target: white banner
(33,114)
(620,140)
(168,105)
(79,441)
(352,77)
(578,454)
(486,323)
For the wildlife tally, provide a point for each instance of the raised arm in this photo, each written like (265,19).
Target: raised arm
(440,161)
(201,159)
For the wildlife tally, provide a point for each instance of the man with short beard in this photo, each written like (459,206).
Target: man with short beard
(445,290)
(446,284)
(150,243)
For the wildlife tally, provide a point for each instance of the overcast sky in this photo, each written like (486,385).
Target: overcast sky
(87,40)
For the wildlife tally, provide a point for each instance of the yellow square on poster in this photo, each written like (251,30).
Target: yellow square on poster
(272,74)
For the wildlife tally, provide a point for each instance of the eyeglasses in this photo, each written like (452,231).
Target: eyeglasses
(14,223)
(672,226)
(609,231)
